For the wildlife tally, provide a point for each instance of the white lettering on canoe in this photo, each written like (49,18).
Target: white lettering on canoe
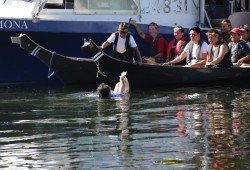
(13,24)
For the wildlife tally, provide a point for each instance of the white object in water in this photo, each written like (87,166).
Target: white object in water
(124,73)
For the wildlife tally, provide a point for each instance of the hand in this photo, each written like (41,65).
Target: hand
(167,64)
(240,61)
(133,22)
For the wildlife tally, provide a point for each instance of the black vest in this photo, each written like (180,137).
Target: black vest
(128,55)
(226,61)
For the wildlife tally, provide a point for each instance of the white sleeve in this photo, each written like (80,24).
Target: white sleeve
(132,42)
(204,47)
(186,47)
(111,38)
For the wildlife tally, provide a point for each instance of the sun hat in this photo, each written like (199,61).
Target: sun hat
(235,30)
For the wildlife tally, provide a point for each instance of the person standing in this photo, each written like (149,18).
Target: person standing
(177,45)
(123,44)
(158,44)
(218,52)
(195,52)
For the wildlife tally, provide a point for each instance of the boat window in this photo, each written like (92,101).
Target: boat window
(106,6)
(54,4)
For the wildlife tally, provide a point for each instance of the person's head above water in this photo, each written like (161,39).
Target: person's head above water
(104,91)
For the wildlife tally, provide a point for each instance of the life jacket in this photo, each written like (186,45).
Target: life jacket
(153,45)
(127,56)
(177,48)
(226,61)
(189,52)
(239,51)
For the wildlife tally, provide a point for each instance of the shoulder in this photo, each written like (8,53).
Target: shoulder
(161,40)
(111,37)
(204,44)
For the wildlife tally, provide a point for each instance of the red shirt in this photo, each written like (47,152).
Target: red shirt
(161,44)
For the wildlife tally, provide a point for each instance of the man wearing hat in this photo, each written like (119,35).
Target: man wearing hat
(245,34)
(238,48)
(123,43)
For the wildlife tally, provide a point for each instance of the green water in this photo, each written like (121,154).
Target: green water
(171,128)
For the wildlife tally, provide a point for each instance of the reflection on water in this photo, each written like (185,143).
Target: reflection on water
(172,128)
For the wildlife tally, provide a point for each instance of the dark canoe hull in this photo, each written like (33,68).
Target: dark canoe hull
(70,70)
(153,75)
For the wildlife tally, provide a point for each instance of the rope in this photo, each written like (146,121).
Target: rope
(50,74)
(99,70)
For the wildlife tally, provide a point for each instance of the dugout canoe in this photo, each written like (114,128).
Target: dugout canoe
(70,70)
(148,75)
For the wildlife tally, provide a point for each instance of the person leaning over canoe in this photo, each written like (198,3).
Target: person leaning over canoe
(158,44)
(177,45)
(123,43)
(195,52)
(218,51)
(121,88)
(239,50)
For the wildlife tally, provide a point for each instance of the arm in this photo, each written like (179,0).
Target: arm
(138,30)
(181,57)
(244,59)
(222,52)
(201,62)
(105,44)
(138,54)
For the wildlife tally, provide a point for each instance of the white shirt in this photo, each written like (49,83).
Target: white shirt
(121,46)
(203,50)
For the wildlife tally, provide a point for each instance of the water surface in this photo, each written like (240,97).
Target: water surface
(167,128)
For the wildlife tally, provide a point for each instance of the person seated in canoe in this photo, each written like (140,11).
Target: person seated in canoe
(245,34)
(218,51)
(239,50)
(195,52)
(121,88)
(177,45)
(158,44)
(123,44)
(225,29)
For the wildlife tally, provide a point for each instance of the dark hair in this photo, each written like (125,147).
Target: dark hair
(196,29)
(213,31)
(103,90)
(180,28)
(153,24)
(226,20)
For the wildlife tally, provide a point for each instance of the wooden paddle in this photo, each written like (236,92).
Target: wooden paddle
(150,61)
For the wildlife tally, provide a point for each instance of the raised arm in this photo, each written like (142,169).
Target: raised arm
(138,30)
